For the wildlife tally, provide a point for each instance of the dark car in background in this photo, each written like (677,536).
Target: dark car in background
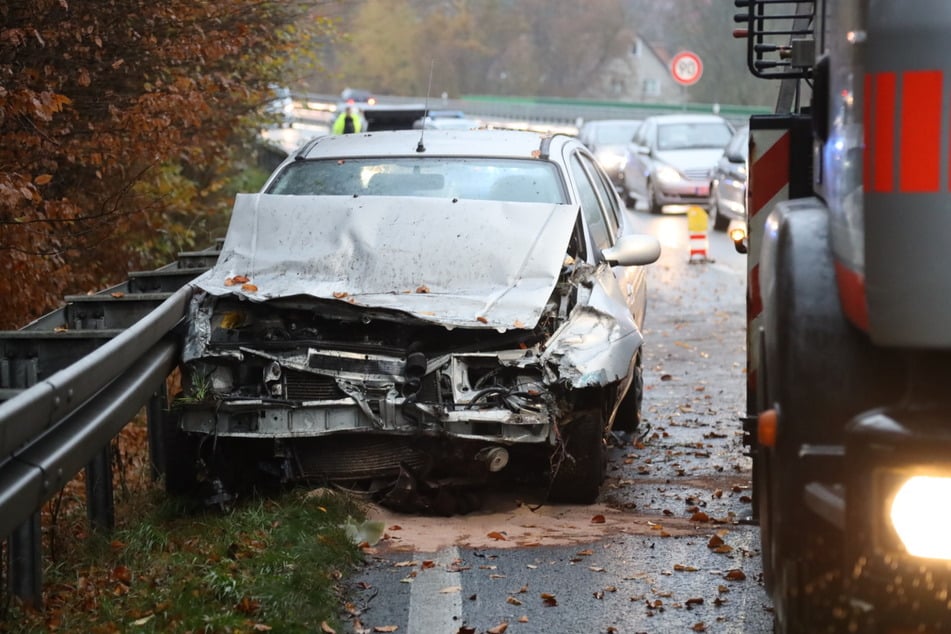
(670,158)
(607,139)
(728,182)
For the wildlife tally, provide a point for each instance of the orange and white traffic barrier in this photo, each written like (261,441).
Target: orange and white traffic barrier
(697,221)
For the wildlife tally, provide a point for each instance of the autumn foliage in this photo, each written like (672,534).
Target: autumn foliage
(124,127)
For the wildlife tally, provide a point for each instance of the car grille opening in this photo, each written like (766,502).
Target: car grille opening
(304,386)
(697,174)
(355,457)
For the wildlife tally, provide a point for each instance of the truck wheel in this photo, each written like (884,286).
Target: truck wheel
(579,464)
(820,372)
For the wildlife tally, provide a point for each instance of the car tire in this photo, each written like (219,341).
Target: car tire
(628,197)
(580,461)
(717,220)
(179,460)
(653,206)
(628,416)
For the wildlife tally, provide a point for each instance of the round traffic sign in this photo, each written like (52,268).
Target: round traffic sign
(686,68)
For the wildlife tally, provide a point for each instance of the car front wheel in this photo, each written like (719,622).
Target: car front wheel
(579,461)
(652,205)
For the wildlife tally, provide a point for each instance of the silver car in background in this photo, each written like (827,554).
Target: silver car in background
(728,182)
(414,314)
(607,139)
(670,159)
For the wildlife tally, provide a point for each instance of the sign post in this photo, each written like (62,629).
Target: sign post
(686,69)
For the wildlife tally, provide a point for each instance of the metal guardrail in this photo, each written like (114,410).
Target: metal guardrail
(50,431)
(69,382)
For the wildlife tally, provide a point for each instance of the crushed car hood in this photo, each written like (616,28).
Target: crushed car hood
(466,263)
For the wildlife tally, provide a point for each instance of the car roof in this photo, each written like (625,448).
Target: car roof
(497,143)
(611,122)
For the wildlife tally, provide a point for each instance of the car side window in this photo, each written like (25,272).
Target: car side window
(591,206)
(605,190)
(612,204)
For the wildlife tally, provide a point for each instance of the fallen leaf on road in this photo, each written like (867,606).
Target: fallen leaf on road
(386,628)
(496,535)
(513,601)
(498,629)
(683,568)
(598,519)
(523,619)
(450,589)
(699,627)
(735,575)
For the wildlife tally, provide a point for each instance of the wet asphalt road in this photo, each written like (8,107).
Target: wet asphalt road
(666,549)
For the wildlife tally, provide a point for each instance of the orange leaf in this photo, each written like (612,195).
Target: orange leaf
(482,319)
(326,629)
(43,179)
(249,288)
(598,519)
(498,629)
(122,574)
(735,575)
(339,294)
(497,536)
(422,288)
(117,294)
(240,279)
(386,628)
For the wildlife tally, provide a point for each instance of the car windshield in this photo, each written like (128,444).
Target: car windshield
(684,136)
(514,180)
(615,134)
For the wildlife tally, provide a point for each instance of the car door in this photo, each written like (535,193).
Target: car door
(638,160)
(602,212)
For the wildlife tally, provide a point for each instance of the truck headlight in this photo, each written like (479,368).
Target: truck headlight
(921,513)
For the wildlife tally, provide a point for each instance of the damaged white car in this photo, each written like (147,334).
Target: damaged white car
(411,312)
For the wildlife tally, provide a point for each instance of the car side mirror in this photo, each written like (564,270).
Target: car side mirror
(635,249)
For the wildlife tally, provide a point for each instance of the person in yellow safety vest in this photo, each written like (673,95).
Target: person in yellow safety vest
(348,121)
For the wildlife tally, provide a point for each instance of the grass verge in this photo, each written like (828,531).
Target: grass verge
(271,564)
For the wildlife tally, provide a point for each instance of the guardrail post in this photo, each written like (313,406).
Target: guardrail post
(25,547)
(155,415)
(100,505)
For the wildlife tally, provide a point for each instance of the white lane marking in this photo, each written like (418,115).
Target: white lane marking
(429,609)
